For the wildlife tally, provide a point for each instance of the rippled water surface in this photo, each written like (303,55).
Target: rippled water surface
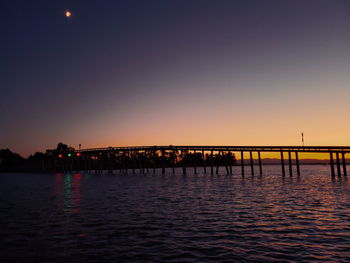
(175,218)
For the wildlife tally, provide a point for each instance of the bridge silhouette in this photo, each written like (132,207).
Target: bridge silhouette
(147,158)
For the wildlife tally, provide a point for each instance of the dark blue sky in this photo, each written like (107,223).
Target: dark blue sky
(161,72)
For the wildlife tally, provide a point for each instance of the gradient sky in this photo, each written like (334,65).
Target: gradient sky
(121,73)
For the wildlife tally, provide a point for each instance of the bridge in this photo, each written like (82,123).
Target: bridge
(144,158)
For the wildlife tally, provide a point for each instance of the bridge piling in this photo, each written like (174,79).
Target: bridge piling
(163,161)
(122,164)
(290,163)
(147,154)
(251,162)
(138,161)
(331,160)
(260,166)
(297,162)
(242,163)
(194,162)
(212,162)
(226,162)
(227,170)
(338,164)
(128,162)
(184,157)
(174,161)
(110,163)
(344,164)
(217,162)
(153,153)
(282,164)
(204,166)
(144,162)
(133,161)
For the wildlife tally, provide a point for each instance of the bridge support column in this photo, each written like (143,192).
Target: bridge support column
(154,162)
(147,156)
(147,163)
(184,157)
(143,162)
(282,164)
(344,164)
(260,166)
(139,161)
(204,166)
(163,161)
(338,164)
(121,162)
(331,163)
(212,163)
(174,161)
(251,162)
(230,156)
(124,162)
(218,163)
(226,162)
(118,162)
(297,162)
(127,162)
(133,161)
(121,158)
(194,161)
(242,163)
(290,163)
(114,163)
(110,163)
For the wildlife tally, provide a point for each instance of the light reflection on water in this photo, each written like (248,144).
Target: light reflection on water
(67,192)
(175,218)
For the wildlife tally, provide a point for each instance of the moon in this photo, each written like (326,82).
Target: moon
(68,14)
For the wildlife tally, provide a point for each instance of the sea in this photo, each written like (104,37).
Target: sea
(87,217)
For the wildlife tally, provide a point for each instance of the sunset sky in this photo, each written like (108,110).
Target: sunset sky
(120,73)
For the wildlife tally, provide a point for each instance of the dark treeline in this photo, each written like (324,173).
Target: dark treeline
(13,162)
(65,158)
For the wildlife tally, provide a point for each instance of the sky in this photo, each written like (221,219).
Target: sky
(181,72)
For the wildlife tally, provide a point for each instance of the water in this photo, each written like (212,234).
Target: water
(175,218)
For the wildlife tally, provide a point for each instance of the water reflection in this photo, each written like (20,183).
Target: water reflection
(176,218)
(67,190)
(76,193)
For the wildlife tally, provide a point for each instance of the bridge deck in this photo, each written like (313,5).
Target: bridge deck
(133,156)
(310,149)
